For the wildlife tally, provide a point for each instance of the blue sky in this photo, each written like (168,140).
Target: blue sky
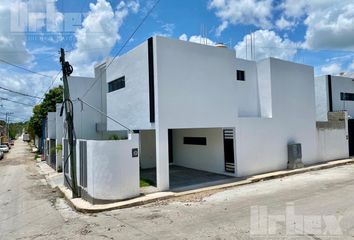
(319,33)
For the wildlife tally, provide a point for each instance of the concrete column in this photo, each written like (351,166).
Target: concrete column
(162,161)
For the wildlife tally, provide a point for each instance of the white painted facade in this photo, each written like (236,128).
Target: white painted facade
(339,84)
(196,93)
(59,134)
(85,119)
(51,128)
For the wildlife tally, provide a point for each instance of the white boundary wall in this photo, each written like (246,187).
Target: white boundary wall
(332,144)
(112,172)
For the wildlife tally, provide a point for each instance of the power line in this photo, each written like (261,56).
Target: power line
(9,100)
(25,69)
(136,29)
(20,93)
(125,43)
(51,85)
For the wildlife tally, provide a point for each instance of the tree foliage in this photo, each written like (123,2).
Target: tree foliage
(16,129)
(41,110)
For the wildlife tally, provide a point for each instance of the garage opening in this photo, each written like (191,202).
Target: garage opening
(201,157)
(197,157)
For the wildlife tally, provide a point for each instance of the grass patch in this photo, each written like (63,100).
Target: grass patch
(146,182)
(36,156)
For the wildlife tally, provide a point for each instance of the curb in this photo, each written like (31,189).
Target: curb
(160,196)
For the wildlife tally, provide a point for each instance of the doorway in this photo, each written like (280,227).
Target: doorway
(351,136)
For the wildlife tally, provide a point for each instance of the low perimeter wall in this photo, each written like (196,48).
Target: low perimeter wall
(108,171)
(332,137)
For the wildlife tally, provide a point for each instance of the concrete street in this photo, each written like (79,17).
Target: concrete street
(313,205)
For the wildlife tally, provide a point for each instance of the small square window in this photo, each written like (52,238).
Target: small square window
(241,75)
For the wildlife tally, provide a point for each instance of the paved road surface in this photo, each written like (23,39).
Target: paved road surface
(323,203)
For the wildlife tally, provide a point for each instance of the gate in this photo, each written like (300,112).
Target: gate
(351,136)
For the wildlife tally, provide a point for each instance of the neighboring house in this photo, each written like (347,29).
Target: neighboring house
(59,133)
(336,93)
(88,122)
(50,140)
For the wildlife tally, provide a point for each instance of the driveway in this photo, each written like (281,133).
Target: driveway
(317,205)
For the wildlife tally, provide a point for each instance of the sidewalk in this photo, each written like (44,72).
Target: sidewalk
(55,180)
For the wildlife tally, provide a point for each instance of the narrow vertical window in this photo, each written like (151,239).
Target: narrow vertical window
(241,75)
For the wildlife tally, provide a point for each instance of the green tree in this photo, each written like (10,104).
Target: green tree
(41,110)
(16,129)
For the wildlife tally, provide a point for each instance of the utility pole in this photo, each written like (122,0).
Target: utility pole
(68,106)
(7,118)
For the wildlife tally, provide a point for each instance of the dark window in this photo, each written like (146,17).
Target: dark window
(347,96)
(241,75)
(195,140)
(116,84)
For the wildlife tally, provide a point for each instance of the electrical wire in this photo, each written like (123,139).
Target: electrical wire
(51,85)
(20,93)
(25,69)
(71,108)
(9,100)
(124,45)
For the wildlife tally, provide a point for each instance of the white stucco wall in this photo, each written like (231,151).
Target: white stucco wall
(262,143)
(59,125)
(113,173)
(51,121)
(321,93)
(247,91)
(264,88)
(85,118)
(332,144)
(147,149)
(130,105)
(208,157)
(195,87)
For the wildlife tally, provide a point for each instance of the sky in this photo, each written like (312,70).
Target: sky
(319,33)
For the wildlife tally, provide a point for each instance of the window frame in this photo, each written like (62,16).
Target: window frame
(201,141)
(116,84)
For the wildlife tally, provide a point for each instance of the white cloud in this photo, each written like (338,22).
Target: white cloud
(167,30)
(221,28)
(329,24)
(333,69)
(99,32)
(267,44)
(16,18)
(12,44)
(283,23)
(26,83)
(197,39)
(351,66)
(255,12)
(183,37)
